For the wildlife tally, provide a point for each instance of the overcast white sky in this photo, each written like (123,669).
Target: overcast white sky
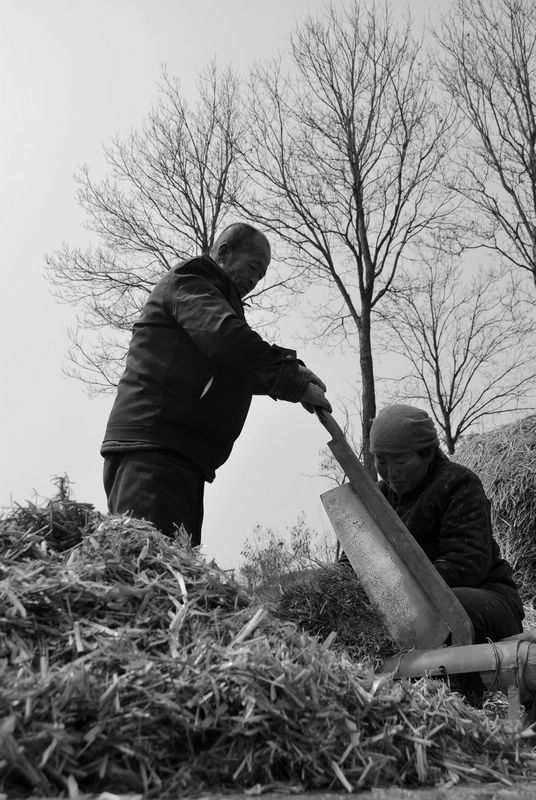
(72,74)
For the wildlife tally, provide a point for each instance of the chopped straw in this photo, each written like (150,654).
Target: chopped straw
(129,664)
(329,600)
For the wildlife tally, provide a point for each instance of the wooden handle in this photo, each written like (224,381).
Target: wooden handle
(332,427)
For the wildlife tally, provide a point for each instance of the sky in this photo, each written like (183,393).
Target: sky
(73,74)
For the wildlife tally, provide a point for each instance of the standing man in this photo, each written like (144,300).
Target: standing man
(192,368)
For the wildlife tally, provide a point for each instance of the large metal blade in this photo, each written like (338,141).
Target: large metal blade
(417,605)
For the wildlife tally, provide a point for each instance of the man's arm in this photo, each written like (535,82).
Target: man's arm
(209,319)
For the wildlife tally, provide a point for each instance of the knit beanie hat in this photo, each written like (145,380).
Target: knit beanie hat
(402,429)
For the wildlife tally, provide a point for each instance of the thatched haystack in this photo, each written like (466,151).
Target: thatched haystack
(505,460)
(129,664)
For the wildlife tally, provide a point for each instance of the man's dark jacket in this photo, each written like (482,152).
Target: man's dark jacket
(450,517)
(192,368)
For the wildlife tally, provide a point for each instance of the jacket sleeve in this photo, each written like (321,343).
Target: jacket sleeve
(465,537)
(206,315)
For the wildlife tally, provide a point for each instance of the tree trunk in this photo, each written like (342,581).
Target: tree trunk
(449,439)
(368,397)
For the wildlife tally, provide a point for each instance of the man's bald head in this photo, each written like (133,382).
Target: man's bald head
(238,236)
(244,254)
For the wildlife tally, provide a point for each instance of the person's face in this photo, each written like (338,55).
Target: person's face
(247,266)
(403,472)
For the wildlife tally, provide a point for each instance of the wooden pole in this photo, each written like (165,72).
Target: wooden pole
(499,663)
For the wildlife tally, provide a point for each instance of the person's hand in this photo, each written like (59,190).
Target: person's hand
(314,397)
(312,377)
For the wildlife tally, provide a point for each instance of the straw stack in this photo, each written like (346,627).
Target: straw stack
(129,664)
(505,461)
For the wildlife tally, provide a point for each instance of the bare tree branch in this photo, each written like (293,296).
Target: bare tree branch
(345,154)
(470,345)
(170,186)
(488,66)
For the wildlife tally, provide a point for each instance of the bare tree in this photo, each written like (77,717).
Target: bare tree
(469,346)
(345,153)
(488,66)
(169,188)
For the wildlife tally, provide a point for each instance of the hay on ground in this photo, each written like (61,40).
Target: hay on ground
(61,521)
(329,601)
(129,664)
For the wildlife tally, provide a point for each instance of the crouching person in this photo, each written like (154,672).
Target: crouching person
(445,508)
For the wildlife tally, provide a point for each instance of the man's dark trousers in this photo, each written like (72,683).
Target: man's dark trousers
(156,485)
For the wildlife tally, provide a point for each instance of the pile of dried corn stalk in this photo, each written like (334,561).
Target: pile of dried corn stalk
(129,664)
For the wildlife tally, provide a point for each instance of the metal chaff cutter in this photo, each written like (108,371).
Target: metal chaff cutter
(417,607)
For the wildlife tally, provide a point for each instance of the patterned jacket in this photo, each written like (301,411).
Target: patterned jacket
(450,517)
